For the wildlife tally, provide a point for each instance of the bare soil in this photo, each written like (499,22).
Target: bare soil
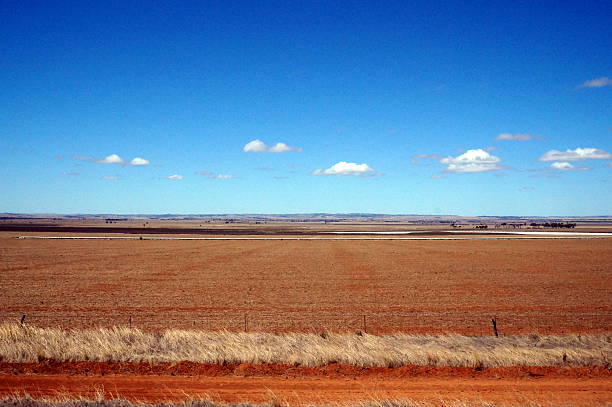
(300,386)
(543,286)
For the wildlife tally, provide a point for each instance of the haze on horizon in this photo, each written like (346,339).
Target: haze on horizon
(486,108)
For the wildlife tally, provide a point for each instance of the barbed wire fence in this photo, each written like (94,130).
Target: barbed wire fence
(474,323)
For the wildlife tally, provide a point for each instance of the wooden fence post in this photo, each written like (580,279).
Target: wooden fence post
(494,322)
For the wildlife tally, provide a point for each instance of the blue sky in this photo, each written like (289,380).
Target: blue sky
(466,108)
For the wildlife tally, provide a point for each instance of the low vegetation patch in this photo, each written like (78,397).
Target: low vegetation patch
(31,344)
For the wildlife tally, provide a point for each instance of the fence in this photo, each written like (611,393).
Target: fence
(466,322)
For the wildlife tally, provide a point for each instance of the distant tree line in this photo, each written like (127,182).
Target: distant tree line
(566,225)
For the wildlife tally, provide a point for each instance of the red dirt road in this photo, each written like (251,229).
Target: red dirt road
(316,390)
(300,385)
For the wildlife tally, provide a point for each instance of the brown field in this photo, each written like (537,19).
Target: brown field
(544,286)
(541,286)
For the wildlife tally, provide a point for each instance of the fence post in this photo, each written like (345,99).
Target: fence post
(494,322)
(130,321)
(245,323)
(365,327)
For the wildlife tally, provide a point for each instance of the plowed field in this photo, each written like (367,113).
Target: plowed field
(545,286)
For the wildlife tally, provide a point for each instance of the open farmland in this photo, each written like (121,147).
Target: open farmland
(544,286)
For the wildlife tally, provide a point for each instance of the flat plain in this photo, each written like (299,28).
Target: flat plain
(531,286)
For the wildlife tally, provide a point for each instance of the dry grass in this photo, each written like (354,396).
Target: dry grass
(31,344)
(99,401)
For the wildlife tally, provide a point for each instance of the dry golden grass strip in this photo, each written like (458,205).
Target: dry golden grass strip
(31,344)
(66,401)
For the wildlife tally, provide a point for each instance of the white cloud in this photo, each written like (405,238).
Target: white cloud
(578,154)
(597,83)
(223,176)
(258,146)
(110,178)
(514,137)
(562,166)
(175,176)
(212,175)
(565,166)
(344,168)
(472,161)
(72,174)
(279,148)
(111,159)
(139,161)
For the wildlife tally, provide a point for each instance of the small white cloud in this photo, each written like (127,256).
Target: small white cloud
(279,148)
(344,168)
(223,176)
(175,177)
(578,154)
(212,175)
(597,83)
(139,161)
(72,174)
(562,166)
(110,178)
(514,137)
(565,166)
(255,146)
(258,146)
(472,161)
(111,159)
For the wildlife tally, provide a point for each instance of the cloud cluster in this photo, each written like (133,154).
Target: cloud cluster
(351,169)
(514,137)
(112,159)
(597,83)
(258,146)
(472,161)
(579,154)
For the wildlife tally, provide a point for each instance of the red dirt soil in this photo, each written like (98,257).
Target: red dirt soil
(543,286)
(302,385)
